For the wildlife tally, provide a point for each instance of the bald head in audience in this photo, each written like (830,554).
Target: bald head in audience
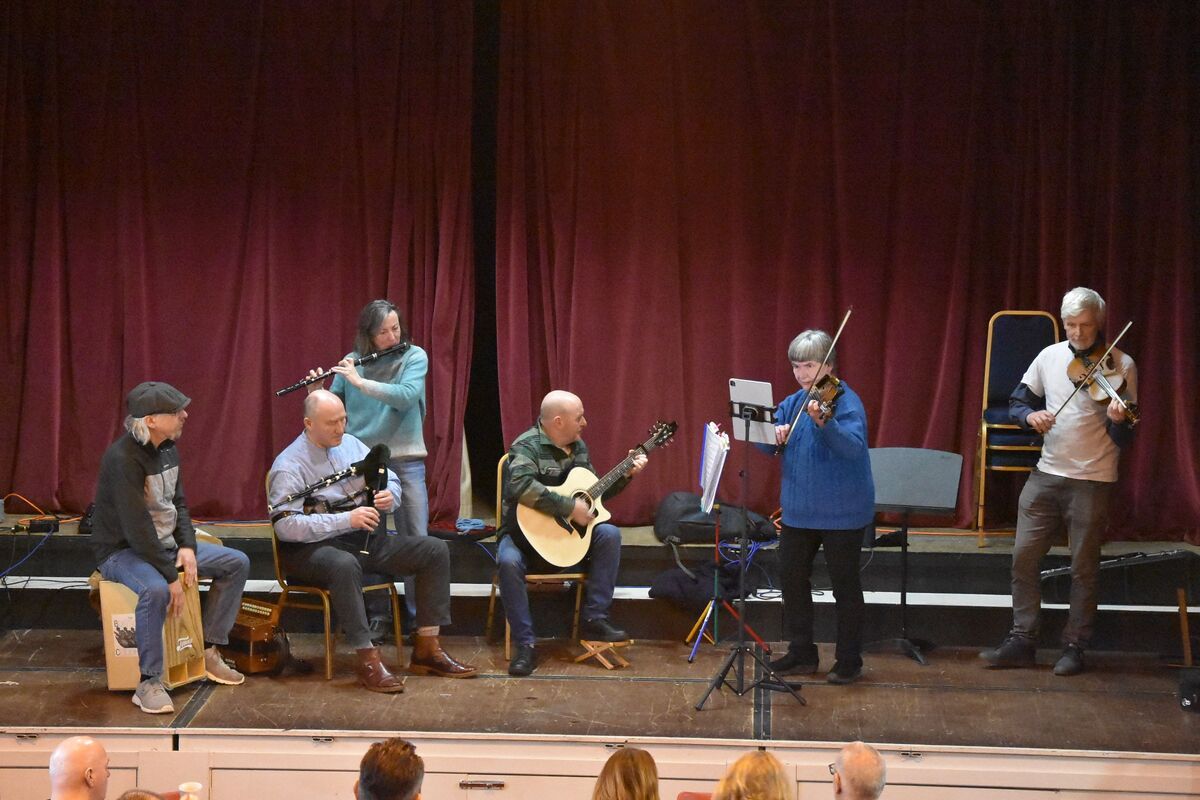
(79,770)
(860,772)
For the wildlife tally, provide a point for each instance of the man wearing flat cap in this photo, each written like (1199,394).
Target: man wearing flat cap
(142,536)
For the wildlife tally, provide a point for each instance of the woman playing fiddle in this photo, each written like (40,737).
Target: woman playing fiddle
(385,404)
(828,497)
(1072,482)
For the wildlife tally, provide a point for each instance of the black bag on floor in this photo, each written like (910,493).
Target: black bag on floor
(679,516)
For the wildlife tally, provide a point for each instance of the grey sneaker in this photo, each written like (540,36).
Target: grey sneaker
(218,669)
(152,698)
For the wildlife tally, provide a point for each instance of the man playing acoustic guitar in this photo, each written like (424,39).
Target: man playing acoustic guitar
(540,458)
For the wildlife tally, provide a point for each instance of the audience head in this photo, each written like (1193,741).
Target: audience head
(391,770)
(140,794)
(758,775)
(562,417)
(79,769)
(859,772)
(629,774)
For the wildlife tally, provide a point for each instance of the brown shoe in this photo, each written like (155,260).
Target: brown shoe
(429,658)
(374,675)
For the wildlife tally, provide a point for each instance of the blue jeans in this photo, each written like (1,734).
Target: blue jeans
(412,515)
(604,559)
(227,567)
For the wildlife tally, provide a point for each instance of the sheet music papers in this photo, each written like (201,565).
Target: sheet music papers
(712,461)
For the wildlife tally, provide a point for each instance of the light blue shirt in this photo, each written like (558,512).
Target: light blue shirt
(302,464)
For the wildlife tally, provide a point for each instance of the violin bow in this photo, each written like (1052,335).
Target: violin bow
(1095,367)
(824,361)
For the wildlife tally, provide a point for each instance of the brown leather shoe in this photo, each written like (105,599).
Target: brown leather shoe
(374,675)
(429,658)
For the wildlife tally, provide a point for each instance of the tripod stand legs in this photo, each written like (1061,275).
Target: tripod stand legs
(737,661)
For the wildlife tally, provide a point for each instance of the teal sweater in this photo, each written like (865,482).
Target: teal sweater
(390,409)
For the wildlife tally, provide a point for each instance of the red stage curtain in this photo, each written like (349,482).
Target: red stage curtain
(207,194)
(683,187)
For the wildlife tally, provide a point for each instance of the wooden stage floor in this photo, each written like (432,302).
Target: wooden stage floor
(1125,703)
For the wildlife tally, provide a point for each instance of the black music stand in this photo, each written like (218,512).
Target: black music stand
(910,480)
(754,415)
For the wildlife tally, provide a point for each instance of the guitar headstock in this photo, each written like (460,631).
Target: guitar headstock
(660,434)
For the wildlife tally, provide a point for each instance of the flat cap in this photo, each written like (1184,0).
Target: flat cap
(155,397)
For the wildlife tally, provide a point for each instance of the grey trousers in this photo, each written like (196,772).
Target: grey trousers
(337,565)
(1049,503)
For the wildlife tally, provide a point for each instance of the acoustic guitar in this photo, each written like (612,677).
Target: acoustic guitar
(559,540)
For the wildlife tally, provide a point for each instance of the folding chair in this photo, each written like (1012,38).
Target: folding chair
(1014,339)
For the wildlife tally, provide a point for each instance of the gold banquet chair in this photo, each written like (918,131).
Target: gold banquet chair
(1014,339)
(371,583)
(538,580)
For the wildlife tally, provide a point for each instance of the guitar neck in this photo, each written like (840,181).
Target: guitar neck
(597,489)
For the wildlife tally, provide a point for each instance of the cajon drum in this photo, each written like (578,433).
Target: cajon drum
(183,639)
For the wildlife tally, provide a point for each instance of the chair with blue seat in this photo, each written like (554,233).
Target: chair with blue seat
(1014,339)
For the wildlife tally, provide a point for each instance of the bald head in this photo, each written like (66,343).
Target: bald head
(320,399)
(559,402)
(861,772)
(79,770)
(324,418)
(562,417)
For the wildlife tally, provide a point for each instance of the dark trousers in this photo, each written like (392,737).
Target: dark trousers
(1048,504)
(797,549)
(337,565)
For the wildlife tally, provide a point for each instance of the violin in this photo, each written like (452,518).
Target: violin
(826,392)
(1102,381)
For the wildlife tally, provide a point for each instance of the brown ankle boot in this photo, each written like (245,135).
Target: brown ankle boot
(429,658)
(374,675)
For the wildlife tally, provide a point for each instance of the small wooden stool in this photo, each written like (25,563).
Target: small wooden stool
(602,651)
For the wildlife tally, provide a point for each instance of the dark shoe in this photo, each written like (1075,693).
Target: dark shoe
(374,675)
(793,663)
(1070,662)
(380,631)
(601,630)
(844,672)
(523,661)
(1017,650)
(429,658)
